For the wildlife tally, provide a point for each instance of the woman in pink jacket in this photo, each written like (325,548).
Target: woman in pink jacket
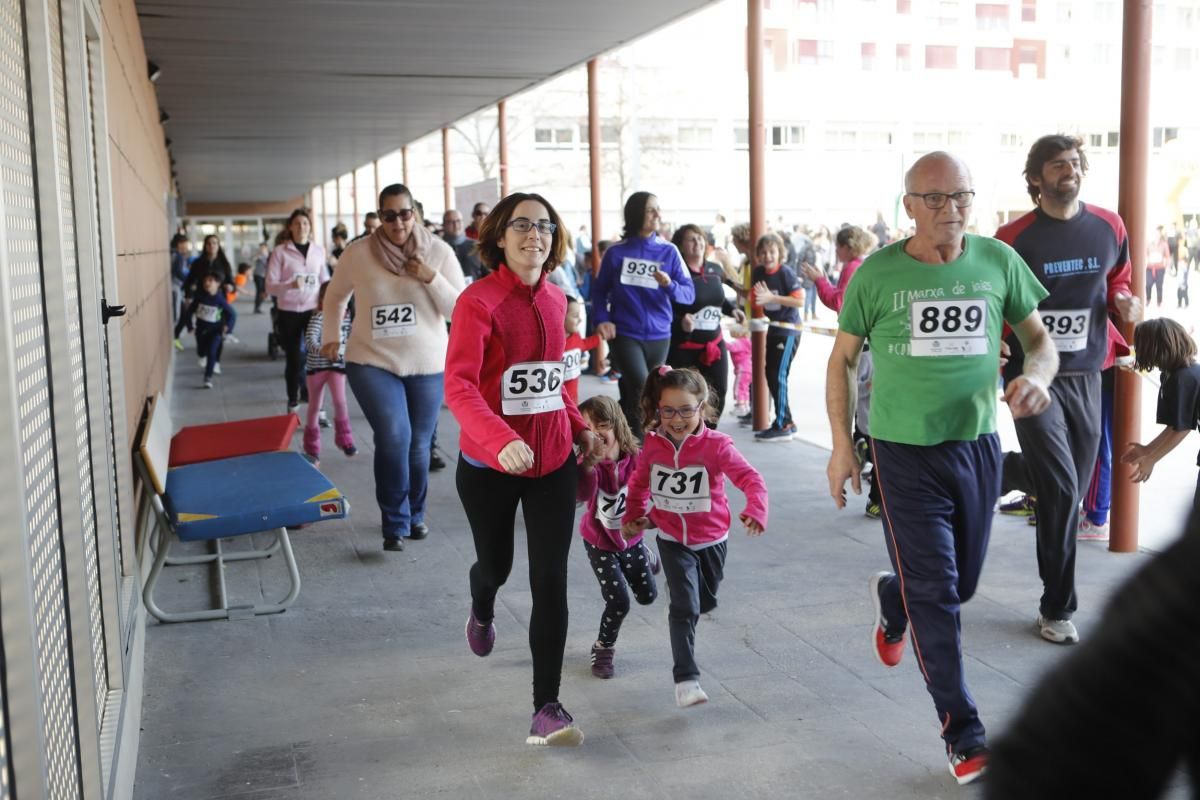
(853,245)
(295,272)
(682,468)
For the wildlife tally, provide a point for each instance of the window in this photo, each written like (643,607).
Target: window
(787,137)
(941,56)
(1103,54)
(947,13)
(958,138)
(1164,135)
(1159,55)
(1010,140)
(841,139)
(610,135)
(1183,58)
(1095,140)
(875,139)
(867,50)
(811,52)
(1114,138)
(1028,10)
(991,17)
(1105,12)
(993,58)
(903,57)
(903,6)
(695,136)
(741,137)
(1186,16)
(554,138)
(1063,11)
(928,140)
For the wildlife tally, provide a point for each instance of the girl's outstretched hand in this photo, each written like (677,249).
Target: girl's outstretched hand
(632,529)
(752,527)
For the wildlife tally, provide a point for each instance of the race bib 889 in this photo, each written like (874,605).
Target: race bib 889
(949,328)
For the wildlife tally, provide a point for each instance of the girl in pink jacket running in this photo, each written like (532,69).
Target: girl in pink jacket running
(619,564)
(682,469)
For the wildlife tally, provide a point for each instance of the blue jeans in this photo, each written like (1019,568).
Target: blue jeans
(403,413)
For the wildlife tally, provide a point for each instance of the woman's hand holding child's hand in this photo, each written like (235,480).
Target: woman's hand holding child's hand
(631,529)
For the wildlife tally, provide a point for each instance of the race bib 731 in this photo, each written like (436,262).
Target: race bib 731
(683,490)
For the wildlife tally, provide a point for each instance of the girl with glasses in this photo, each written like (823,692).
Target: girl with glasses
(682,469)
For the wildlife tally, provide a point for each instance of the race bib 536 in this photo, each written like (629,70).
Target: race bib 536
(532,387)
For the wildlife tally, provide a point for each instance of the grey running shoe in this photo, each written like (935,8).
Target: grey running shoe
(1059,631)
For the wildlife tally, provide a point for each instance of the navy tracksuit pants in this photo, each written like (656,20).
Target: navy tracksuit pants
(937,517)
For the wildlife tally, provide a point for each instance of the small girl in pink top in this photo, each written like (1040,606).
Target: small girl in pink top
(682,469)
(620,564)
(738,345)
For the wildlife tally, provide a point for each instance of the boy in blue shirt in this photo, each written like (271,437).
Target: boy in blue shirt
(215,317)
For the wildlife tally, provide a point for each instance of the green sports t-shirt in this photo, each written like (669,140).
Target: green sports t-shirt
(934,331)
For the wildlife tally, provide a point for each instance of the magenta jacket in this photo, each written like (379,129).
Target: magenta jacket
(687,487)
(603,488)
(831,295)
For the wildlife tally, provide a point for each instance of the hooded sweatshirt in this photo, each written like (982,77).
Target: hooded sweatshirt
(604,488)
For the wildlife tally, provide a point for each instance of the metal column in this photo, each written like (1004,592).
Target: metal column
(758,201)
(447,192)
(502,124)
(354,197)
(404,164)
(1134,156)
(337,192)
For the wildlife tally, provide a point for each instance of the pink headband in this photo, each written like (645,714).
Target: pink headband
(663,370)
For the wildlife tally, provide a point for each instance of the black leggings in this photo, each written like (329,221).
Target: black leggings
(617,573)
(490,499)
(716,373)
(634,358)
(781,351)
(291,326)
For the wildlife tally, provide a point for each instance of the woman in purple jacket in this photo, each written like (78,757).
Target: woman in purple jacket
(639,278)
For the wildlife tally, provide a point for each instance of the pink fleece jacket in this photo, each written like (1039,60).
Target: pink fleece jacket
(687,487)
(604,487)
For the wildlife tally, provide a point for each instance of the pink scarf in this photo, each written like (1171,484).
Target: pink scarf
(395,258)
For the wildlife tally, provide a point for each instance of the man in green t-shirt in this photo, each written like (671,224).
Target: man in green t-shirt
(933,307)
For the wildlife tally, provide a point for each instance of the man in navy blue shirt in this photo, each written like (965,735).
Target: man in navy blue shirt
(1080,253)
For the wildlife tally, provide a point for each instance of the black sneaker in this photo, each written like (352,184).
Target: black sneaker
(393,545)
(746,419)
(773,434)
(418,531)
(436,462)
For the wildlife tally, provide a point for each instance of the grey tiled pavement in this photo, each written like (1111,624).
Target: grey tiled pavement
(366,689)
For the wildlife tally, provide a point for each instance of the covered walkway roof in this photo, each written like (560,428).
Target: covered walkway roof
(268,98)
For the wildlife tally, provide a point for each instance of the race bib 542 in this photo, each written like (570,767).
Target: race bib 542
(398,319)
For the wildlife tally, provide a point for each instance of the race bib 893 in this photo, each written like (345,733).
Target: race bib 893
(1068,327)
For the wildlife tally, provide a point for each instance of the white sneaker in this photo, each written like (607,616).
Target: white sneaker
(217,368)
(202,362)
(1059,631)
(689,693)
(1091,532)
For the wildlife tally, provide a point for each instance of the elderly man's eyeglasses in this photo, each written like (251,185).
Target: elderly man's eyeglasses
(522,225)
(936,200)
(388,215)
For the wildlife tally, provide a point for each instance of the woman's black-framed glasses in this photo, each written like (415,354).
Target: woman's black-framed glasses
(523,225)
(684,412)
(390,215)
(936,200)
